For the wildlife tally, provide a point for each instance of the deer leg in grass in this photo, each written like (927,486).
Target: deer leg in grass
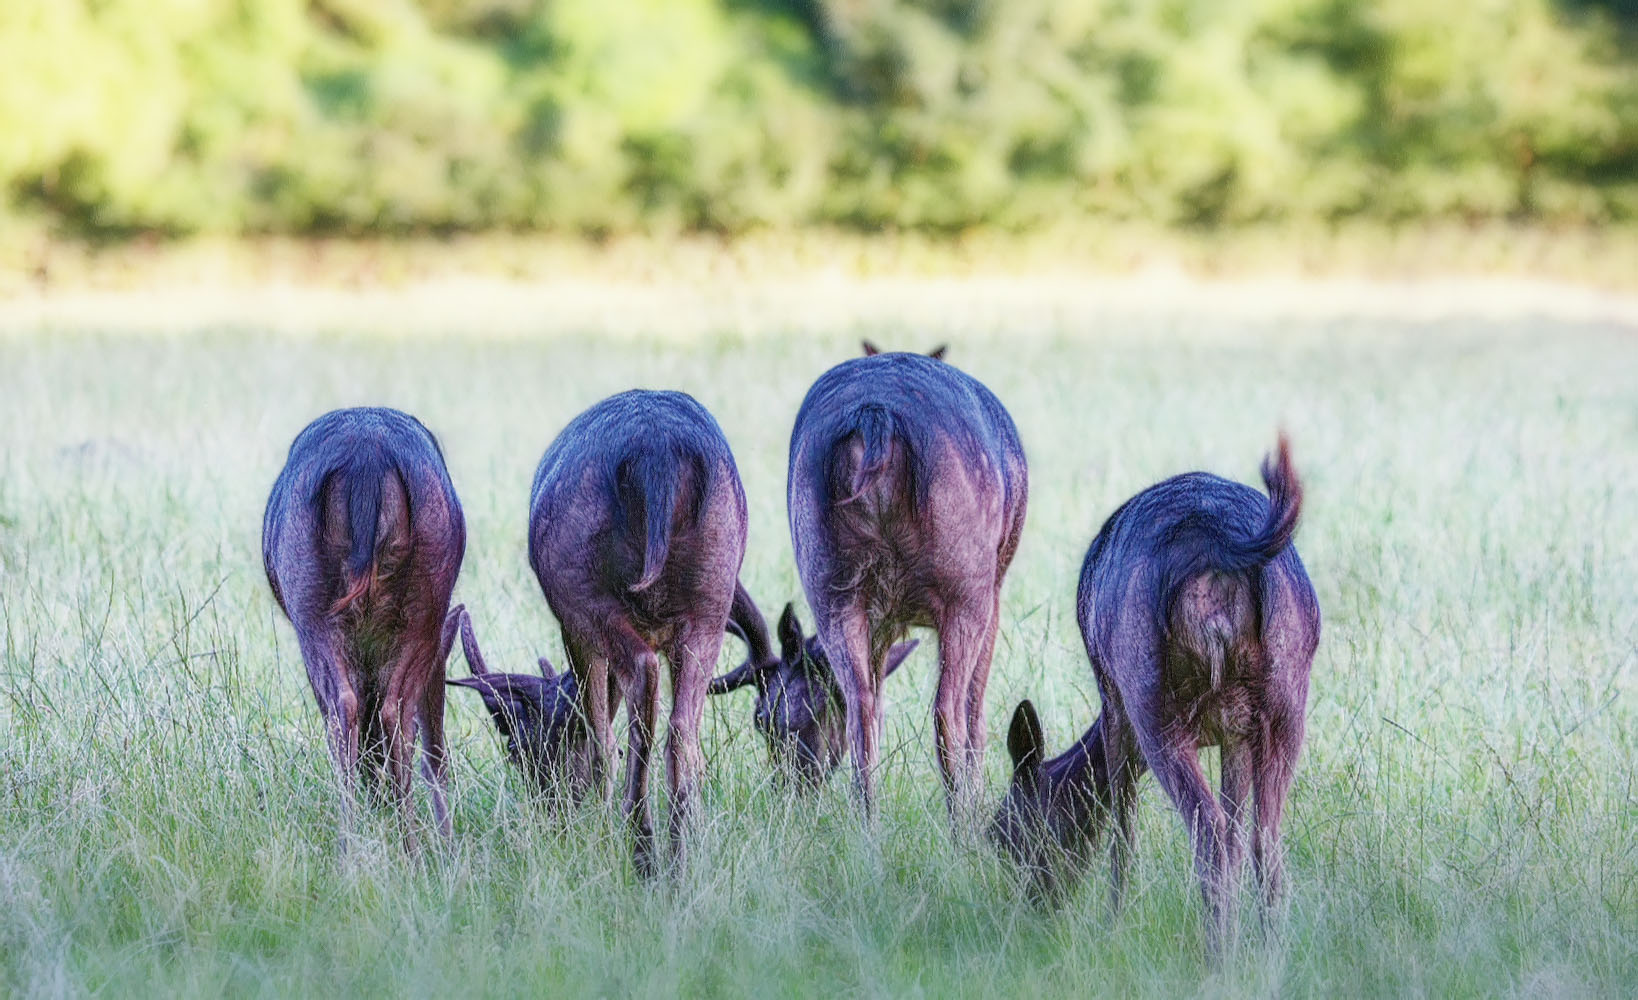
(1176,764)
(639,679)
(692,656)
(434,748)
(338,705)
(398,729)
(435,757)
(977,733)
(1125,766)
(597,707)
(845,636)
(962,635)
(1274,768)
(1233,794)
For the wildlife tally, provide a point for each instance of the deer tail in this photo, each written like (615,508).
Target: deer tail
(654,478)
(362,479)
(875,427)
(1284,508)
(1226,550)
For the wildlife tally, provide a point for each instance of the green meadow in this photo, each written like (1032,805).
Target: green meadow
(1464,822)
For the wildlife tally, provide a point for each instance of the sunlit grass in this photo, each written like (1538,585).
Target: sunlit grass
(1463,824)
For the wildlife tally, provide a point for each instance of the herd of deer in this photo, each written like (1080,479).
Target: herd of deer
(906,494)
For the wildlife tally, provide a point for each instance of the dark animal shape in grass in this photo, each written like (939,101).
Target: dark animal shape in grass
(1201,626)
(362,541)
(636,534)
(799,709)
(537,716)
(906,493)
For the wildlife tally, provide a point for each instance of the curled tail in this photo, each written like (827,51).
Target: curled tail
(875,427)
(1223,548)
(654,478)
(1284,507)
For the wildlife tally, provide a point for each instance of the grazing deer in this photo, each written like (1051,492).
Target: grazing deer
(799,708)
(538,716)
(907,490)
(1201,626)
(362,541)
(636,533)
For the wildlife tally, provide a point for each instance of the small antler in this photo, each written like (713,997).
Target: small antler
(745,622)
(446,635)
(469,646)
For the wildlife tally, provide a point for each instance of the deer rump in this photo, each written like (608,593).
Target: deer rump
(362,540)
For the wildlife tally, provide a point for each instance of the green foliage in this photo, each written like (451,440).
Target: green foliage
(251,116)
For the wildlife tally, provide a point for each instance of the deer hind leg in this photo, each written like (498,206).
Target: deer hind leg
(1125,766)
(977,684)
(590,659)
(435,756)
(692,656)
(845,635)
(1233,793)
(434,748)
(963,635)
(339,707)
(1176,763)
(414,688)
(637,675)
(1275,754)
(398,726)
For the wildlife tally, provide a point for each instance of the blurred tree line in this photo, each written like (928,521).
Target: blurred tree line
(386,116)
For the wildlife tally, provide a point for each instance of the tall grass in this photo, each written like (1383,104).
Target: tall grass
(1464,822)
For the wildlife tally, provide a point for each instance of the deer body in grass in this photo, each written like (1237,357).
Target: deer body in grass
(362,541)
(1201,626)
(637,525)
(906,494)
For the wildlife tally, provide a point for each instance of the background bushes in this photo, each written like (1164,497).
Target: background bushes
(393,116)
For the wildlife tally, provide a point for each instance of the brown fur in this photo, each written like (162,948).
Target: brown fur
(633,457)
(907,494)
(1201,626)
(375,636)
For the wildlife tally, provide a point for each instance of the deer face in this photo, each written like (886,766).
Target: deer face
(799,709)
(538,718)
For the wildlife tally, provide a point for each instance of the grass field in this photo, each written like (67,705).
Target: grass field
(1465,822)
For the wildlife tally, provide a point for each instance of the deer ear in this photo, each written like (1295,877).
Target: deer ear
(494,698)
(547,670)
(790,633)
(937,353)
(871,350)
(896,655)
(1025,743)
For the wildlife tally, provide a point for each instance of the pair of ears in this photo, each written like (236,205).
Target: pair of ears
(1026,743)
(792,649)
(792,643)
(937,353)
